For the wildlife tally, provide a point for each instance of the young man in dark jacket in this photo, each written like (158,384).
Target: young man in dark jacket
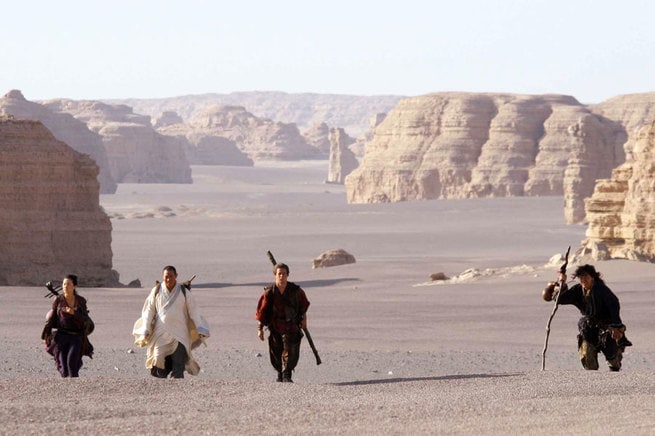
(283,309)
(600,328)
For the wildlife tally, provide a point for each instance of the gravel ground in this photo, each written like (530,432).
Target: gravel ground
(459,382)
(533,402)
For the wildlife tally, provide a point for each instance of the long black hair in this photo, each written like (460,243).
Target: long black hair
(588,269)
(72,278)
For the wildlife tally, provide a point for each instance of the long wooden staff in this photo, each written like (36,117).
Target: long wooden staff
(552,315)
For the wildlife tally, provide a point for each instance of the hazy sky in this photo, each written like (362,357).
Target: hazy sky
(96,49)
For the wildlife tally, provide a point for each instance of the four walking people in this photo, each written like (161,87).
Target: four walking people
(171,325)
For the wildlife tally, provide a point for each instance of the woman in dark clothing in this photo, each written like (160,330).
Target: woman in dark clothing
(70,317)
(600,328)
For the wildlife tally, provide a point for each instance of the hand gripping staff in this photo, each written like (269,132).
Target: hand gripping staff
(562,270)
(305,330)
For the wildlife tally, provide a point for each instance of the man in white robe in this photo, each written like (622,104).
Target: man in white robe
(170,327)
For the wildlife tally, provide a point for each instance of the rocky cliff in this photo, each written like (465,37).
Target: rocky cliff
(461,145)
(202,145)
(631,112)
(305,110)
(318,136)
(259,139)
(65,128)
(51,222)
(621,211)
(136,152)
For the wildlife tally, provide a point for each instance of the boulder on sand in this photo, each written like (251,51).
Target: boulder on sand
(333,257)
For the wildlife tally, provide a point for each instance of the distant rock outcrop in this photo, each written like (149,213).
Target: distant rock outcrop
(65,128)
(202,147)
(260,139)
(136,152)
(216,150)
(342,160)
(318,136)
(351,112)
(460,145)
(167,118)
(51,222)
(621,210)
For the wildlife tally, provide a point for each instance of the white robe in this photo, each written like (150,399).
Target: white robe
(166,319)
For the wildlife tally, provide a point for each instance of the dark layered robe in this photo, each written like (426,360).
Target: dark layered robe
(66,335)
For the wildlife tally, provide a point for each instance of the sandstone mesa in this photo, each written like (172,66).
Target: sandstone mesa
(137,153)
(435,146)
(51,220)
(65,128)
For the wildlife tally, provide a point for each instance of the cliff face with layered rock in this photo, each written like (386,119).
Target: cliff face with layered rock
(596,150)
(51,222)
(136,152)
(259,139)
(462,145)
(351,112)
(65,128)
(631,111)
(203,147)
(318,136)
(621,211)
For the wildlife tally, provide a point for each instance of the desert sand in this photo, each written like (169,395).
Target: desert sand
(401,354)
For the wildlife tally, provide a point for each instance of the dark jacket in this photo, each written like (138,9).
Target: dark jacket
(601,306)
(79,323)
(282,313)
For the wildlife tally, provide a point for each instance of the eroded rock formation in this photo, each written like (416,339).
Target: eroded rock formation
(621,211)
(51,222)
(202,147)
(461,145)
(260,139)
(595,150)
(352,112)
(318,136)
(631,111)
(342,160)
(359,146)
(65,128)
(167,118)
(136,152)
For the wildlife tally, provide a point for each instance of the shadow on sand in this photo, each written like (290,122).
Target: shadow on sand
(412,379)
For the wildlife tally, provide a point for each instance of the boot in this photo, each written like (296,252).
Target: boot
(286,377)
(614,363)
(588,355)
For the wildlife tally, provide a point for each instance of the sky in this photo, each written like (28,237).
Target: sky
(95,49)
